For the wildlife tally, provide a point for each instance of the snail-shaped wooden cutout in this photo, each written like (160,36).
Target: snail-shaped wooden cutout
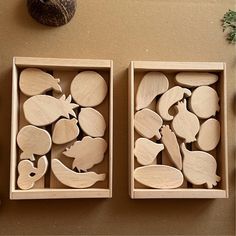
(199,167)
(185,124)
(52,12)
(28,174)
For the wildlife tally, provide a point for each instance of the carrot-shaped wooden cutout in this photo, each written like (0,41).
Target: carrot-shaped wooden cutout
(28,174)
(34,81)
(171,144)
(159,176)
(87,152)
(168,99)
(65,131)
(199,167)
(151,85)
(73,179)
(185,124)
(33,140)
(42,110)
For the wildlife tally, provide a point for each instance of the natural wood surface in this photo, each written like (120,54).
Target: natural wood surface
(199,167)
(33,140)
(146,150)
(65,131)
(152,85)
(147,123)
(28,174)
(73,179)
(34,81)
(209,135)
(171,146)
(92,122)
(204,102)
(159,176)
(88,89)
(42,110)
(168,99)
(185,124)
(195,79)
(87,152)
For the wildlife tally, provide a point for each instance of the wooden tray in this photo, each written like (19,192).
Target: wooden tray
(137,70)
(49,187)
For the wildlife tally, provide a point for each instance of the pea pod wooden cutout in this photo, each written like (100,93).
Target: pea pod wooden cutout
(146,150)
(34,81)
(92,122)
(73,179)
(88,89)
(204,102)
(147,123)
(33,140)
(28,174)
(65,131)
(195,79)
(42,110)
(151,85)
(185,124)
(199,167)
(209,135)
(168,99)
(171,145)
(87,152)
(159,176)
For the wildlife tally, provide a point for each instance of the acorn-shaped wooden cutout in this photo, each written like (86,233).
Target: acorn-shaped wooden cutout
(185,124)
(52,12)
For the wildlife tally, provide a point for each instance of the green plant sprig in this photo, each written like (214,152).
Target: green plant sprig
(229,23)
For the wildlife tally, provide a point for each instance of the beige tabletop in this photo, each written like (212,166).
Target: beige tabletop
(121,30)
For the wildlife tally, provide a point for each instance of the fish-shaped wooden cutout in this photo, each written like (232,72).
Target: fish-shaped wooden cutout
(151,85)
(34,81)
(42,110)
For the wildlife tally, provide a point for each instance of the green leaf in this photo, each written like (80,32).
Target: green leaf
(229,24)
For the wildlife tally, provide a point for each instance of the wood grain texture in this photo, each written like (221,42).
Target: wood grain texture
(34,81)
(159,176)
(92,122)
(152,85)
(204,102)
(147,123)
(73,179)
(146,151)
(88,89)
(168,99)
(65,131)
(195,79)
(33,140)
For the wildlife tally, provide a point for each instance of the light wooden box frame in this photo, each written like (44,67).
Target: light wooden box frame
(67,64)
(146,66)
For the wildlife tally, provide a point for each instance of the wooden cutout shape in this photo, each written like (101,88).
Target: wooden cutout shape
(204,102)
(65,131)
(185,124)
(73,179)
(195,79)
(159,176)
(42,110)
(171,145)
(151,85)
(88,89)
(209,135)
(147,123)
(87,152)
(28,174)
(92,122)
(199,167)
(146,151)
(168,99)
(34,81)
(33,140)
